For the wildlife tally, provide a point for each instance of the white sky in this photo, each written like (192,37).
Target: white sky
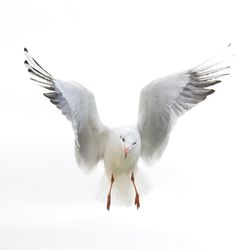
(200,198)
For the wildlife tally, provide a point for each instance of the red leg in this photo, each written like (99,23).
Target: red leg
(137,200)
(109,194)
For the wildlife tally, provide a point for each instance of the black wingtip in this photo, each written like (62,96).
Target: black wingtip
(25,50)
(45,94)
(210,92)
(26,62)
(213,83)
(50,95)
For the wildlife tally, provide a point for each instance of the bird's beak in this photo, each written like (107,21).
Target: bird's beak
(126,152)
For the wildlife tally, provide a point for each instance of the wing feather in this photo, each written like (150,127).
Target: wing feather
(165,99)
(78,105)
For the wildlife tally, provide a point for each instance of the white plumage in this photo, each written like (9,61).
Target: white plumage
(161,103)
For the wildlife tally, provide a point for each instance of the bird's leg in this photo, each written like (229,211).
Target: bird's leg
(109,194)
(137,200)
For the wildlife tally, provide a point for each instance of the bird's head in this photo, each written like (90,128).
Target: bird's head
(130,142)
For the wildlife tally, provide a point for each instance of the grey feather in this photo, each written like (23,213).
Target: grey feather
(44,83)
(211,71)
(51,95)
(37,72)
(34,63)
(38,75)
(47,87)
(210,77)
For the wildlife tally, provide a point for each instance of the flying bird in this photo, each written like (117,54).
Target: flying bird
(161,103)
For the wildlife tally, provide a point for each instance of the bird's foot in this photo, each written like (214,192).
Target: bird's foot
(109,194)
(137,201)
(108,201)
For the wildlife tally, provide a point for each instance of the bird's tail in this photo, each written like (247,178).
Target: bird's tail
(123,192)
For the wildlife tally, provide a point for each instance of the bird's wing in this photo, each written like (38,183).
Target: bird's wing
(78,105)
(165,99)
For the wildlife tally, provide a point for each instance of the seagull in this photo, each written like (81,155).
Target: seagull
(161,103)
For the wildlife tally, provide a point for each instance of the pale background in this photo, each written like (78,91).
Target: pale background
(200,198)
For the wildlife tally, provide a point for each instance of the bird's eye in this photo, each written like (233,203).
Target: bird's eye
(134,143)
(123,139)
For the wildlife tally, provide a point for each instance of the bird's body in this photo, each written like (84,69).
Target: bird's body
(114,158)
(120,162)
(161,103)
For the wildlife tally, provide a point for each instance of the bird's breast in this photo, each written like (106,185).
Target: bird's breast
(115,161)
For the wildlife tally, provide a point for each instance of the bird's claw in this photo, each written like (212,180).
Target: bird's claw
(108,201)
(137,201)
